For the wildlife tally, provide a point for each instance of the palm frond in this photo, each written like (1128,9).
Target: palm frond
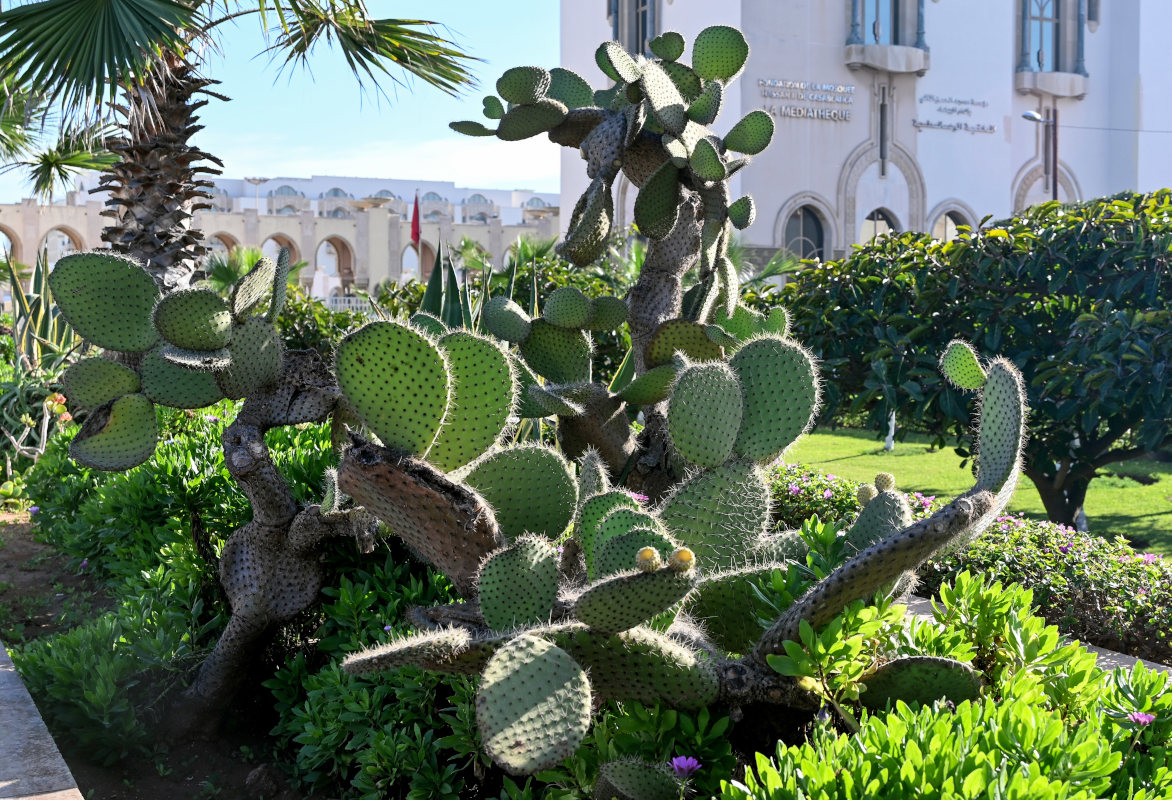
(78,52)
(76,150)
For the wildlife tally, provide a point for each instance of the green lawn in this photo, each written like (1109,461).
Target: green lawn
(1135,500)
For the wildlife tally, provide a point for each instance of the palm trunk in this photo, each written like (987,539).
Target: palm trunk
(156,188)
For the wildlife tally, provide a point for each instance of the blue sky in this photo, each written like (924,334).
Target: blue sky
(300,123)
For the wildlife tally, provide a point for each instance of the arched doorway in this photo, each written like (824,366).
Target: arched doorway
(58,242)
(219,244)
(426,260)
(271,247)
(804,234)
(408,265)
(946,227)
(879,222)
(9,244)
(335,257)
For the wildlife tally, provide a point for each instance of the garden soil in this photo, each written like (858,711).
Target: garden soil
(41,595)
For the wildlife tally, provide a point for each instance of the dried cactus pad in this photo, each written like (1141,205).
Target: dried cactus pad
(504,319)
(568,307)
(585,237)
(397,381)
(920,679)
(482,394)
(1003,406)
(107,299)
(117,436)
(781,396)
(561,355)
(194,319)
(169,384)
(683,336)
(530,488)
(250,290)
(93,381)
(518,585)
(704,414)
(256,353)
(533,705)
(638,780)
(961,367)
(719,52)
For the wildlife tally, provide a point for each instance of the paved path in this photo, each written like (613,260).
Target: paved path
(31,768)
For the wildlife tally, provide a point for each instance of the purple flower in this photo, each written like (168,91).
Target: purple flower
(1148,558)
(1064,548)
(641,498)
(828,494)
(33,509)
(830,477)
(1140,718)
(211,418)
(387,628)
(795,489)
(683,766)
(85,562)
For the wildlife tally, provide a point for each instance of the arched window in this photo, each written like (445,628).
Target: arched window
(804,237)
(287,211)
(289,191)
(877,223)
(1045,34)
(387,193)
(432,216)
(339,212)
(432,197)
(477,199)
(945,229)
(535,202)
(336,192)
(881,21)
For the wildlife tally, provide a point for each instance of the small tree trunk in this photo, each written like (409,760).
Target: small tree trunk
(1063,498)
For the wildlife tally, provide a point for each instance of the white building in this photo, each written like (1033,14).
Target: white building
(907,114)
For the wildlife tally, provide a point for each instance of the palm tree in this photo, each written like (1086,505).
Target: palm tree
(222,270)
(138,62)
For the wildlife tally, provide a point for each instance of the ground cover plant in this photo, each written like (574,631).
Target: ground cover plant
(1076,296)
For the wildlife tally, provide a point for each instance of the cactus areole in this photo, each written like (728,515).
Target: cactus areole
(573,590)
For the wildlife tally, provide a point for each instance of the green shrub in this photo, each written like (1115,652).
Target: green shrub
(1095,589)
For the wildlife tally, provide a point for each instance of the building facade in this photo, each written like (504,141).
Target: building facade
(352,232)
(908,114)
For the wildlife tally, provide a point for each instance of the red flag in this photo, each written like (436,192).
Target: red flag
(415,233)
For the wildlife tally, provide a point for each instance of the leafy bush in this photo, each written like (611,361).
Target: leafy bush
(1077,296)
(1049,724)
(1095,589)
(798,492)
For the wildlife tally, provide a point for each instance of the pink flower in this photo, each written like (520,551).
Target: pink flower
(1140,718)
(828,494)
(641,498)
(795,489)
(684,766)
(831,477)
(1148,558)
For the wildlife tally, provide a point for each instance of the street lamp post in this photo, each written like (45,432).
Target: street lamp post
(256,182)
(1051,123)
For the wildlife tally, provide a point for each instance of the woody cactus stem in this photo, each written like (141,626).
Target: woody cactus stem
(155,188)
(270,568)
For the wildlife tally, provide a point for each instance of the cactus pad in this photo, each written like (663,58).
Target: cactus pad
(617,63)
(470,127)
(607,313)
(705,161)
(644,665)
(657,206)
(781,396)
(531,489)
(667,103)
(632,779)
(704,414)
(280,285)
(621,602)
(527,407)
(685,79)
(552,403)
(532,706)
(782,546)
(171,385)
(706,108)
(592,476)
(700,515)
(751,135)
(594,510)
(617,523)
(668,45)
(727,607)
(885,514)
(205,360)
(482,393)
(777,322)
(248,292)
(568,307)
(521,85)
(742,212)
(518,585)
(428,323)
(398,383)
(569,88)
(522,122)
(652,386)
(118,435)
(621,553)
(93,381)
(683,336)
(745,322)
(719,52)
(107,299)
(589,225)
(431,650)
(492,107)
(561,355)
(194,319)
(961,367)
(920,679)
(506,320)
(257,354)
(1002,426)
